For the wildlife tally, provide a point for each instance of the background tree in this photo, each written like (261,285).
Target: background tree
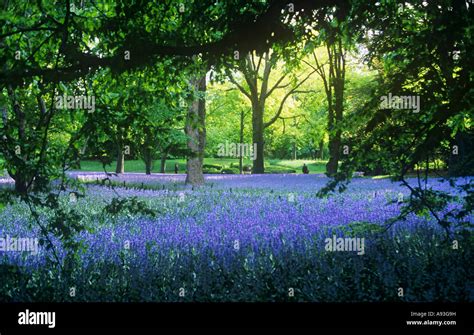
(227,119)
(256,71)
(335,38)
(157,131)
(195,129)
(400,45)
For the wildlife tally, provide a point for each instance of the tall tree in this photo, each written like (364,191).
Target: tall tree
(435,74)
(195,130)
(333,36)
(256,71)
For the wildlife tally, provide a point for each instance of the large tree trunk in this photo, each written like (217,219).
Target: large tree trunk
(258,138)
(337,63)
(20,183)
(196,132)
(334,148)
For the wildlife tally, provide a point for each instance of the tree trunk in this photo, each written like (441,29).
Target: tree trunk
(335,132)
(20,176)
(148,151)
(164,155)
(334,147)
(460,162)
(120,167)
(241,158)
(148,163)
(258,138)
(335,139)
(337,63)
(196,132)
(20,184)
(321,150)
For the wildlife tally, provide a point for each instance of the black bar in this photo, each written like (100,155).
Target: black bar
(242,315)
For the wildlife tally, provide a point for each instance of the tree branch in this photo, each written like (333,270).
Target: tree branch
(276,86)
(240,87)
(280,109)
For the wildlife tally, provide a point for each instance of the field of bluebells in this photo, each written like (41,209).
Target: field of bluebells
(241,238)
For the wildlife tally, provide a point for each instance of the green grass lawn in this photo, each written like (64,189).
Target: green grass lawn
(139,165)
(316,166)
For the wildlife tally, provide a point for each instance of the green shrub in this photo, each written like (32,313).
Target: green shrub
(245,167)
(212,166)
(211,171)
